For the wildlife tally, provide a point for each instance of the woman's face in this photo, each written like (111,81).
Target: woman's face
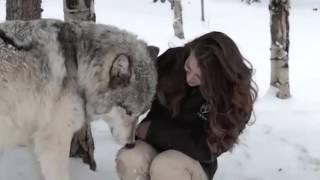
(193,71)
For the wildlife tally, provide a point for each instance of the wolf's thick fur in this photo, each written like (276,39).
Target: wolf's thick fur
(55,75)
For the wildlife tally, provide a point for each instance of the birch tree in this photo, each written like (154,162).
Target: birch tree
(82,10)
(279,17)
(178,21)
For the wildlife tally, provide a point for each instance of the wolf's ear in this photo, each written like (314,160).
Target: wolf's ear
(153,51)
(120,72)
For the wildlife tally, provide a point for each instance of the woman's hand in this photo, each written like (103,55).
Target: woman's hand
(143,130)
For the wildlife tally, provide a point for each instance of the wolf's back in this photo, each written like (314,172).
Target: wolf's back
(28,53)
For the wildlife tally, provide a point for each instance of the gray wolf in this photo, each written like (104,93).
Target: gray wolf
(56,75)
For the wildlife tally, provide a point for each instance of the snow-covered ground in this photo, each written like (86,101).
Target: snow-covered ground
(282,144)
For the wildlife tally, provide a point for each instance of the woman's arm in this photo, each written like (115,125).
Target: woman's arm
(166,135)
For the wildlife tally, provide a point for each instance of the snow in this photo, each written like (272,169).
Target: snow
(283,141)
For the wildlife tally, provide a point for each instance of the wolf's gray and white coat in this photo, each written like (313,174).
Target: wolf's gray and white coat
(55,75)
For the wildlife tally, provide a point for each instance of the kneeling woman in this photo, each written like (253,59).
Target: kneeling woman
(204,101)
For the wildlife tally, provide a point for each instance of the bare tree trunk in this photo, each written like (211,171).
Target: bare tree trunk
(23,9)
(202,10)
(279,11)
(171,3)
(82,144)
(81,10)
(178,22)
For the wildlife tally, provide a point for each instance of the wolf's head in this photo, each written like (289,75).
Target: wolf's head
(119,78)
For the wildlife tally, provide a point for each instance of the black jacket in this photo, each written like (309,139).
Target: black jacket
(186,132)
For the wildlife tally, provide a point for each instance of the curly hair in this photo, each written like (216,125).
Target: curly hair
(228,87)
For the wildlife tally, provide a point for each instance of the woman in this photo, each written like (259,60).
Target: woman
(204,101)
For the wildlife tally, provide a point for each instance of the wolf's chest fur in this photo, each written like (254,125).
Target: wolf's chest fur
(33,92)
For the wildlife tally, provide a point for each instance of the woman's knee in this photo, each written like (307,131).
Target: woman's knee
(171,157)
(173,164)
(135,161)
(169,160)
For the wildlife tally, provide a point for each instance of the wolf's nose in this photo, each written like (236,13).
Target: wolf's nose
(130,145)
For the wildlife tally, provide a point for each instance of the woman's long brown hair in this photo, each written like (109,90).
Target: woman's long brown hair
(228,87)
(226,84)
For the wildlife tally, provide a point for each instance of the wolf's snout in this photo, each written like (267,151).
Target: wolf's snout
(130,145)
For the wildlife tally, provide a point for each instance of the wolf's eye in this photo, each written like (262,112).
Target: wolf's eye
(128,112)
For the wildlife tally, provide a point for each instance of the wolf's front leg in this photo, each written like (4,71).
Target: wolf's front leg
(52,151)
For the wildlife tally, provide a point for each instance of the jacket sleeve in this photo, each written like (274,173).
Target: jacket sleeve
(166,135)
